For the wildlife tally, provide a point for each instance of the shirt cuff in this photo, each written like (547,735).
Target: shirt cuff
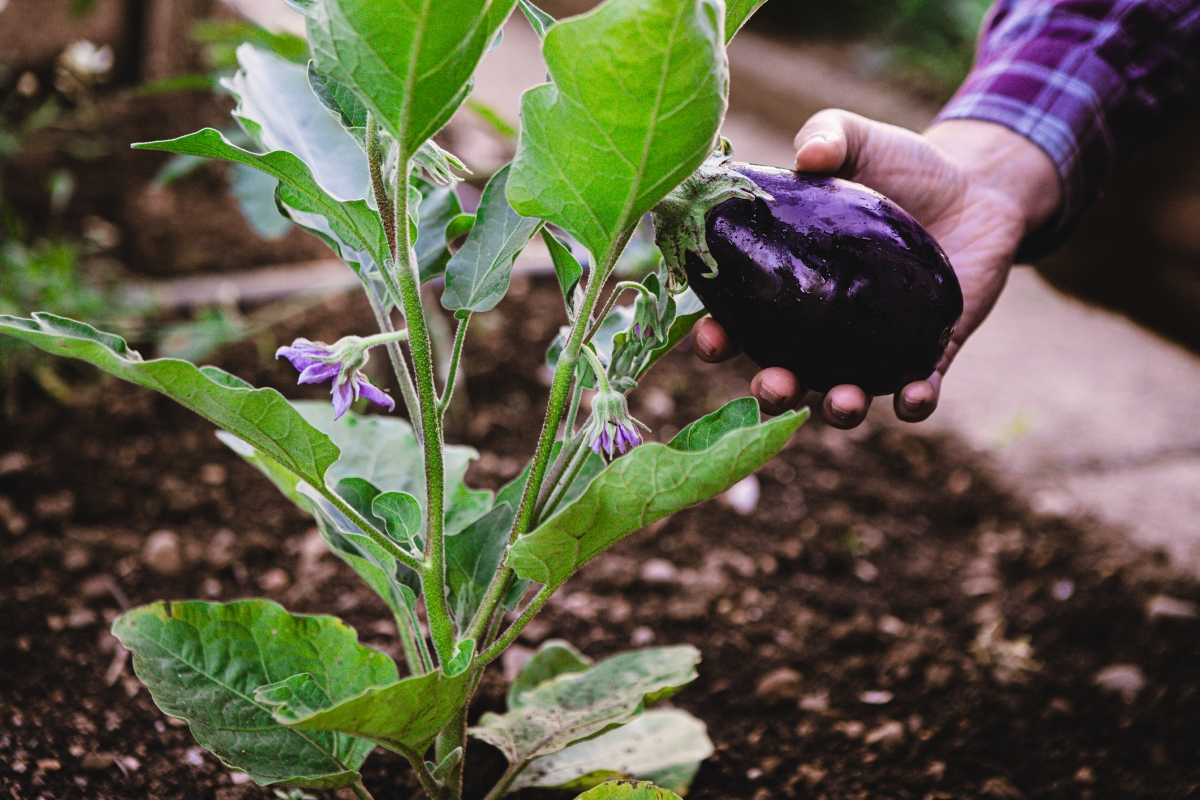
(1054,93)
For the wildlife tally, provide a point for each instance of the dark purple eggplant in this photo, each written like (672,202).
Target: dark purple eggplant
(829,280)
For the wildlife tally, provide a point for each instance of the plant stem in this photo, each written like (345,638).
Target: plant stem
(361,792)
(597,368)
(428,783)
(383,316)
(571,447)
(506,780)
(387,337)
(514,630)
(460,336)
(612,301)
(569,426)
(560,491)
(564,373)
(416,655)
(441,626)
(373,533)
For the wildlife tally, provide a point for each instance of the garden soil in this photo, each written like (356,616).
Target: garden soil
(888,620)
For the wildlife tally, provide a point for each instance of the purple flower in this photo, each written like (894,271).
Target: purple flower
(342,363)
(611,428)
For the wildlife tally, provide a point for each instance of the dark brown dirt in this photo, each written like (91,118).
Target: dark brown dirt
(871,565)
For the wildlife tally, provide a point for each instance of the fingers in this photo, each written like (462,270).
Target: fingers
(845,406)
(711,342)
(777,390)
(830,142)
(918,400)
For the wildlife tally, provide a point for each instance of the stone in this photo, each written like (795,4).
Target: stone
(1124,680)
(743,496)
(879,697)
(1163,606)
(163,553)
(274,579)
(778,686)
(659,571)
(887,735)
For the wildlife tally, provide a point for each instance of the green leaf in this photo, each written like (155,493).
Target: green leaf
(566,267)
(580,705)
(354,223)
(260,417)
(628,790)
(737,12)
(339,101)
(279,109)
(438,210)
(401,516)
(704,432)
(651,482)
(204,662)
(538,19)
(405,716)
(664,745)
(638,94)
(410,63)
(384,452)
(478,275)
(464,654)
(359,495)
(555,657)
(472,558)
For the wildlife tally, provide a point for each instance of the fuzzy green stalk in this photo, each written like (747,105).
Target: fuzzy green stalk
(612,301)
(404,284)
(408,389)
(560,390)
(460,336)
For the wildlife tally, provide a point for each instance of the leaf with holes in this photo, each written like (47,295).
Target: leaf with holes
(579,705)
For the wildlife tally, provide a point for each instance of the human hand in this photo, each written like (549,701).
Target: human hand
(978,187)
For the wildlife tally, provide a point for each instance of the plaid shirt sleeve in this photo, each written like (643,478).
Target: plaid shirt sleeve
(1088,81)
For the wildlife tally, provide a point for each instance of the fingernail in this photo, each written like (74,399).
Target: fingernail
(838,411)
(769,396)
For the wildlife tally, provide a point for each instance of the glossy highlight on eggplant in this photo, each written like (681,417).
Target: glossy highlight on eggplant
(829,280)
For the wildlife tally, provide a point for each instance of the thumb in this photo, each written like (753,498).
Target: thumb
(830,142)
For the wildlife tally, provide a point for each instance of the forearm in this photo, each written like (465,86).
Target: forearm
(1087,81)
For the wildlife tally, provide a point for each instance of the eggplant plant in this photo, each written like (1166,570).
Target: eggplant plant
(633,104)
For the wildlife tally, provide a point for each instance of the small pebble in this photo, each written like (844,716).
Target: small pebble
(239,778)
(1062,590)
(659,571)
(641,636)
(778,686)
(891,626)
(754,773)
(888,734)
(865,571)
(1085,775)
(1163,606)
(817,701)
(13,462)
(194,756)
(274,579)
(162,553)
(1125,680)
(213,474)
(742,497)
(877,698)
(49,764)
(852,729)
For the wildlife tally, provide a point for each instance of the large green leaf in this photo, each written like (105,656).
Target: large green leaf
(405,716)
(580,705)
(553,658)
(704,432)
(260,417)
(663,745)
(409,61)
(737,12)
(280,111)
(478,275)
(628,790)
(353,223)
(204,662)
(651,482)
(472,558)
(638,93)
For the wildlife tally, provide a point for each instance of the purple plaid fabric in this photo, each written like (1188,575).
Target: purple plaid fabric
(1088,81)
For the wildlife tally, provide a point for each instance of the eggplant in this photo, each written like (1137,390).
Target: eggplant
(827,279)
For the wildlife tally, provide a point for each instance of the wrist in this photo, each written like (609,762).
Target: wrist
(1006,162)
